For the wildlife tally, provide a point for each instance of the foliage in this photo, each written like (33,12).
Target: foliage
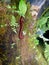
(33,40)
(22,8)
(11,18)
(43,24)
(46,52)
(13,23)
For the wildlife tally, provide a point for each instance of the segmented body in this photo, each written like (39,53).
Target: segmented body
(21,28)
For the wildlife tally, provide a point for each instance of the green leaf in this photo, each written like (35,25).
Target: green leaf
(13,21)
(22,7)
(42,21)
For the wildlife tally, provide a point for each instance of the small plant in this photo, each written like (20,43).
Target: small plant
(13,23)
